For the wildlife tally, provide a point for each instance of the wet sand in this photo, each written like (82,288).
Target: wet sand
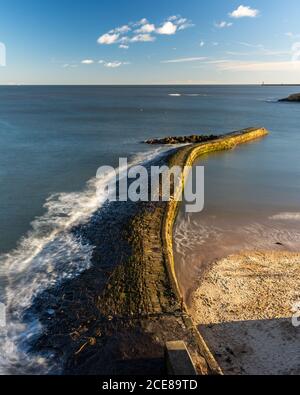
(243,309)
(202,239)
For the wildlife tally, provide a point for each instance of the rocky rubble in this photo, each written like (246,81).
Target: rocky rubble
(292,98)
(194,139)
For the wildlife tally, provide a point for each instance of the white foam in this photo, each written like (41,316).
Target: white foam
(196,94)
(192,236)
(286,217)
(188,94)
(271,101)
(46,256)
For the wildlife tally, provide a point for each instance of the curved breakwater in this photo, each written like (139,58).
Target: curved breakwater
(187,158)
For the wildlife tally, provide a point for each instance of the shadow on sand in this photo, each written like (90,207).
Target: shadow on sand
(259,347)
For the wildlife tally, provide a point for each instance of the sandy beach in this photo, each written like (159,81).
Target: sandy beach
(243,308)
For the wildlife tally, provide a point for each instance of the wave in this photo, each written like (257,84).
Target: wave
(269,100)
(196,94)
(286,217)
(192,235)
(49,254)
(187,94)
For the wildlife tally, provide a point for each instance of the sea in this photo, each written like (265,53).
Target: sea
(54,138)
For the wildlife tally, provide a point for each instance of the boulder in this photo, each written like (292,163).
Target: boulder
(194,139)
(292,98)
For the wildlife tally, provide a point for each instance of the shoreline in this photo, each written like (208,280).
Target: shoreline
(243,307)
(202,240)
(130,302)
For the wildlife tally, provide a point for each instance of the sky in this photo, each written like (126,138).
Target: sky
(149,42)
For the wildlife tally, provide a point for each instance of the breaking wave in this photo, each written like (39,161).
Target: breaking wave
(188,94)
(286,217)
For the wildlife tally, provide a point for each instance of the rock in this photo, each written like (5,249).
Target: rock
(292,98)
(194,139)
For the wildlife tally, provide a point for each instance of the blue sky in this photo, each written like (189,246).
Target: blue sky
(150,42)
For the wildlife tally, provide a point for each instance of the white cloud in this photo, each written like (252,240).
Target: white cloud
(180,23)
(143,31)
(123,40)
(108,39)
(292,35)
(147,28)
(167,28)
(123,46)
(184,60)
(202,43)
(69,66)
(218,61)
(231,65)
(244,11)
(261,50)
(184,24)
(121,29)
(296,52)
(245,44)
(115,64)
(223,24)
(173,18)
(87,61)
(143,21)
(142,38)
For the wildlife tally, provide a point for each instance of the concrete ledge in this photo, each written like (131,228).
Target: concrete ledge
(187,157)
(178,360)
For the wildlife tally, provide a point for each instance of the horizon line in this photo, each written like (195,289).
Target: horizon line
(156,84)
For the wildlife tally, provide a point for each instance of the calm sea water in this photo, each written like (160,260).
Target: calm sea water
(53,139)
